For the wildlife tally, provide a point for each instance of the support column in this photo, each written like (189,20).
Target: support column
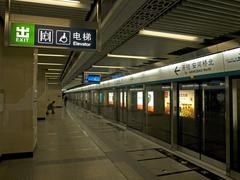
(174,114)
(228,117)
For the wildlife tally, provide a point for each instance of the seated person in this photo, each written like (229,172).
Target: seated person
(50,107)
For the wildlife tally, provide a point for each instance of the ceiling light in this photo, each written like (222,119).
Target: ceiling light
(71,1)
(53,55)
(52,73)
(110,67)
(66,3)
(90,72)
(169,35)
(51,64)
(53,76)
(55,69)
(53,83)
(130,57)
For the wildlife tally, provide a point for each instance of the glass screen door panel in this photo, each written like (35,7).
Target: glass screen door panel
(190,101)
(158,111)
(214,144)
(122,106)
(136,108)
(235,127)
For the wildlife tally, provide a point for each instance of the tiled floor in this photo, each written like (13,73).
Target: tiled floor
(75,144)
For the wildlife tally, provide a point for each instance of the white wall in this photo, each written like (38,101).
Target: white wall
(17,125)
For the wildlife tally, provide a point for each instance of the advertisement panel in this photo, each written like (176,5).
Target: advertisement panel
(150,101)
(187,103)
(167,102)
(110,98)
(121,99)
(125,99)
(140,100)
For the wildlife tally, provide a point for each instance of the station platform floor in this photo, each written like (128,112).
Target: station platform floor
(74,144)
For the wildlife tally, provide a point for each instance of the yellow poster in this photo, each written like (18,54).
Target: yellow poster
(167,102)
(187,103)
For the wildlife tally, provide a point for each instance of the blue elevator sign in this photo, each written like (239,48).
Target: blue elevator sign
(53,36)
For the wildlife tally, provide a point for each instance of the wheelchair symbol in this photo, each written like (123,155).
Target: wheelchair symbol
(63,37)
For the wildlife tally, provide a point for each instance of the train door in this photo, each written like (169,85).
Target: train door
(202,120)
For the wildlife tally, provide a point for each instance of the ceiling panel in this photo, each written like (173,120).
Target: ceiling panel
(46,10)
(210,18)
(107,61)
(152,46)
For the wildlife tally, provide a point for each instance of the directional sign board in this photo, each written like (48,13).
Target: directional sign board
(32,35)
(200,66)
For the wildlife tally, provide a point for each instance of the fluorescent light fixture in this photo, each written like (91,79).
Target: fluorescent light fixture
(51,64)
(55,69)
(52,73)
(53,83)
(72,1)
(90,72)
(53,55)
(66,3)
(129,56)
(169,35)
(53,76)
(110,67)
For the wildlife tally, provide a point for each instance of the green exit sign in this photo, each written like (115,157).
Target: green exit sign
(22,34)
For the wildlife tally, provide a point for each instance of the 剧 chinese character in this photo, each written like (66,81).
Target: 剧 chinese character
(45,36)
(87,37)
(22,32)
(77,36)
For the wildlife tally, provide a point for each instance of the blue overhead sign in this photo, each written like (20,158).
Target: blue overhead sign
(52,36)
(92,78)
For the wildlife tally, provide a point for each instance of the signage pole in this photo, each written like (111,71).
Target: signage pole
(99,31)
(6,23)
